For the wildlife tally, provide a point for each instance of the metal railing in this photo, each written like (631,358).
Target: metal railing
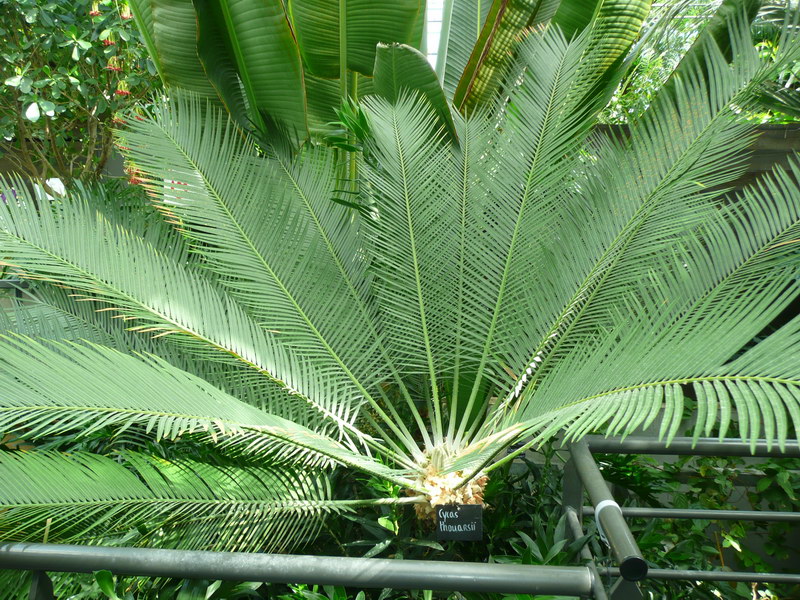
(581,476)
(581,473)
(282,568)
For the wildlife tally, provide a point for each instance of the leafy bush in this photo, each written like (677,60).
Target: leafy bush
(718,483)
(68,68)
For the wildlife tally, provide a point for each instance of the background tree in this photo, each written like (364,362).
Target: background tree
(69,68)
(320,53)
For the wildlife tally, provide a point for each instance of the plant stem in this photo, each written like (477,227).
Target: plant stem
(444,39)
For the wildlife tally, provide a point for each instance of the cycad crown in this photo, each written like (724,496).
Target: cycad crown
(529,278)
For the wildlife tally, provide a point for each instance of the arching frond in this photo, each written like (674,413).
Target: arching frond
(637,202)
(412,242)
(159,293)
(54,388)
(268,229)
(526,170)
(81,497)
(684,324)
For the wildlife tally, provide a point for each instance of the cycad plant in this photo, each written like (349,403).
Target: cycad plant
(523,279)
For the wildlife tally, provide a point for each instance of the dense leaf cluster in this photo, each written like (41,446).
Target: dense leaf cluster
(68,67)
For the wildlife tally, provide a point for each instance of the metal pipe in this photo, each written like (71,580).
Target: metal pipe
(711,515)
(712,575)
(630,560)
(574,524)
(278,568)
(685,445)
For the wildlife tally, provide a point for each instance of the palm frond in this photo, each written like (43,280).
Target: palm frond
(416,284)
(268,229)
(50,313)
(54,388)
(81,497)
(161,293)
(683,328)
(524,179)
(653,189)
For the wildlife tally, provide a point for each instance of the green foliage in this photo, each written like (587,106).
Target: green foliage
(68,67)
(709,483)
(533,278)
(276,66)
(672,30)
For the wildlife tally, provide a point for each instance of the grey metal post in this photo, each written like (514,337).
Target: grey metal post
(632,565)
(278,568)
(625,590)
(574,524)
(573,489)
(41,587)
(685,575)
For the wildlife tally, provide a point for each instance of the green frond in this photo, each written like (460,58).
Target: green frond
(50,313)
(82,497)
(683,326)
(160,293)
(640,199)
(523,183)
(281,247)
(413,239)
(53,388)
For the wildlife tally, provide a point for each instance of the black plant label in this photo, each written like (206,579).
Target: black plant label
(462,522)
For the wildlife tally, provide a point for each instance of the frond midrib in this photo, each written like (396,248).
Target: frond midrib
(682,381)
(261,430)
(406,435)
(149,309)
(418,282)
(260,258)
(601,271)
(276,505)
(548,116)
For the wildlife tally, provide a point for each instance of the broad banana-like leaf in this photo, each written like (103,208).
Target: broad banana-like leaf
(486,67)
(268,61)
(462,23)
(400,69)
(614,27)
(615,24)
(573,16)
(169,29)
(323,97)
(216,54)
(332,32)
(418,29)
(143,16)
